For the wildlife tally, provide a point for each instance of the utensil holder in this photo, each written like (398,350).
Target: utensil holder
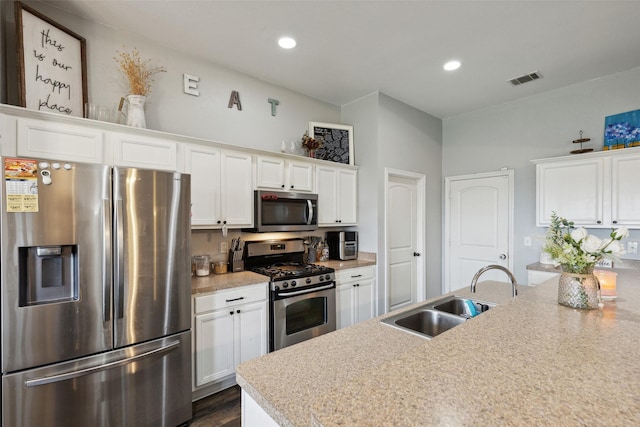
(236,263)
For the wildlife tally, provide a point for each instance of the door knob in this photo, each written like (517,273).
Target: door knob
(503,256)
(416,254)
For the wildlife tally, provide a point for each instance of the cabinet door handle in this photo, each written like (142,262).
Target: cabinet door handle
(237,311)
(615,222)
(598,222)
(234,299)
(357,275)
(416,254)
(282,186)
(231,312)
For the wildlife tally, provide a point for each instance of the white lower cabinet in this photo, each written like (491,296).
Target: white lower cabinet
(229,327)
(355,295)
(535,277)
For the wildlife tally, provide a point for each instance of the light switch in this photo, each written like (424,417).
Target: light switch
(632,247)
(527,240)
(224,247)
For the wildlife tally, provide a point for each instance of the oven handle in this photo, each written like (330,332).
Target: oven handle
(305,291)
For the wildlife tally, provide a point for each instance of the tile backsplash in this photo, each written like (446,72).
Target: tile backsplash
(210,241)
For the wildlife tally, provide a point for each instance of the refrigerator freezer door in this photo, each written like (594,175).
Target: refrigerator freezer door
(152,282)
(144,385)
(56,269)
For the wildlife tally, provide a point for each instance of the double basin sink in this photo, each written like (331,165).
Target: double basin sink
(431,319)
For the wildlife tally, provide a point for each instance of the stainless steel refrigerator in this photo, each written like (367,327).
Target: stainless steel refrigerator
(95,295)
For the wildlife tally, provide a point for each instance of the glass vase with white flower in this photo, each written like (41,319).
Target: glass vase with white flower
(577,252)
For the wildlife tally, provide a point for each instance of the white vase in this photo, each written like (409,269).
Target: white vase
(135,111)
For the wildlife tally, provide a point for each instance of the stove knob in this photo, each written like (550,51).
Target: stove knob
(328,277)
(285,285)
(321,278)
(308,281)
(293,283)
(277,288)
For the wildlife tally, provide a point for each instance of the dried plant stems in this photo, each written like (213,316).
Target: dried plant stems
(137,71)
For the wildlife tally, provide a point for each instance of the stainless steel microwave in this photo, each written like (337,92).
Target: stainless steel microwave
(284,211)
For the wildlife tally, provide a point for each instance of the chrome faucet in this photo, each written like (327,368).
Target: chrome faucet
(474,281)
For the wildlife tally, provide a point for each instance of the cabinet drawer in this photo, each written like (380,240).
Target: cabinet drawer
(230,298)
(353,274)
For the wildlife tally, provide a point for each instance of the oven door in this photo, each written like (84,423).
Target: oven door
(299,315)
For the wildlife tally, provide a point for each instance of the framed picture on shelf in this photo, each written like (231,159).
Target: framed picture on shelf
(52,66)
(622,130)
(337,142)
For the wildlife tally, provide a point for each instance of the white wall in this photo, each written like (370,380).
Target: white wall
(397,136)
(512,134)
(170,110)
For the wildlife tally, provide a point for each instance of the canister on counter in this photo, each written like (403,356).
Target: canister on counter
(202,265)
(219,267)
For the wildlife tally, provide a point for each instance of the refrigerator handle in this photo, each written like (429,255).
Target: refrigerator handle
(106,260)
(119,260)
(94,369)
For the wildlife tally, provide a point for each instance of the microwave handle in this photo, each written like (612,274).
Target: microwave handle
(310,212)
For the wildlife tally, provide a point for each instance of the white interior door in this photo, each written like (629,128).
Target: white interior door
(404,219)
(478,227)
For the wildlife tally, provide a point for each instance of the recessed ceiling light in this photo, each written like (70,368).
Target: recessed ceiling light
(452,65)
(287,43)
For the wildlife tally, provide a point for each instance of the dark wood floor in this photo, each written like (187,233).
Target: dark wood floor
(219,410)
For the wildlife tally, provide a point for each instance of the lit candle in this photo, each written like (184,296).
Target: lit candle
(607,281)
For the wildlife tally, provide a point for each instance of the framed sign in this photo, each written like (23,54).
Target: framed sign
(52,67)
(337,142)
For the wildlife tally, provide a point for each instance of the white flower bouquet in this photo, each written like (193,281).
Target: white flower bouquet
(577,251)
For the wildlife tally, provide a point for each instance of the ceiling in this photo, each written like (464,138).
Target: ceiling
(349,49)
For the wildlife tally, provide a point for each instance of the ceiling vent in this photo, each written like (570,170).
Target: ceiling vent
(526,78)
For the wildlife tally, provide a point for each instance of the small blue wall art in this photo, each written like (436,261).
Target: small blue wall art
(622,130)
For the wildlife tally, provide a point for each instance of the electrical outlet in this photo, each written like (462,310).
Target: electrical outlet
(527,240)
(632,247)
(224,247)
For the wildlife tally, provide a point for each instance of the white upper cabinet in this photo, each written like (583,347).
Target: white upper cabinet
(337,196)
(275,173)
(236,188)
(625,191)
(572,189)
(141,151)
(594,190)
(59,141)
(221,187)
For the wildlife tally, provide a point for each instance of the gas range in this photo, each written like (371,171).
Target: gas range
(282,262)
(302,297)
(294,274)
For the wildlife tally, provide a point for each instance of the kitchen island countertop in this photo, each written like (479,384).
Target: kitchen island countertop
(527,361)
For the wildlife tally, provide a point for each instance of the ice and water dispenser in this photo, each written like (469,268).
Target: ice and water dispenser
(48,274)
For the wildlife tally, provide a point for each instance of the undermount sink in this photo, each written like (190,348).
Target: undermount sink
(431,319)
(458,306)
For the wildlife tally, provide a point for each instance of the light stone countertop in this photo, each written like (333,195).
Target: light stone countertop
(354,263)
(527,361)
(216,282)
